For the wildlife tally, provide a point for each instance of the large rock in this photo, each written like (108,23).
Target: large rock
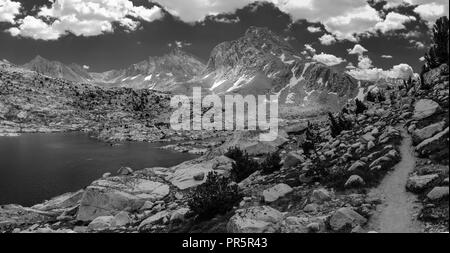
(106,197)
(424,108)
(435,75)
(185,175)
(438,142)
(101,223)
(358,165)
(427,132)
(293,159)
(420,183)
(294,225)
(345,219)
(15,215)
(276,192)
(154,219)
(257,219)
(354,181)
(65,201)
(438,193)
(320,195)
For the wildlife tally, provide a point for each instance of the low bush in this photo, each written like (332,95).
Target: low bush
(243,165)
(271,164)
(216,196)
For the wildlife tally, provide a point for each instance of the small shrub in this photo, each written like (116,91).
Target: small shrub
(234,153)
(339,125)
(334,126)
(243,165)
(216,196)
(360,107)
(307,146)
(271,164)
(370,97)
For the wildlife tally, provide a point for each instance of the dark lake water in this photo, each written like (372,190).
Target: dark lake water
(36,167)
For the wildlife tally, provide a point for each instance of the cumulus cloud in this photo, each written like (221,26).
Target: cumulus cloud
(83,18)
(364,62)
(327,39)
(358,21)
(345,19)
(357,49)
(9,10)
(328,59)
(310,49)
(430,11)
(400,71)
(417,44)
(197,10)
(313,29)
(393,21)
(86,67)
(34,28)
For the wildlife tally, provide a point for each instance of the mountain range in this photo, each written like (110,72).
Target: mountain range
(260,62)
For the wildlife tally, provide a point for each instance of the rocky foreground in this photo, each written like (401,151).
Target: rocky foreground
(325,190)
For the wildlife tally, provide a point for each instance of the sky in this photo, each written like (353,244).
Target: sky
(367,39)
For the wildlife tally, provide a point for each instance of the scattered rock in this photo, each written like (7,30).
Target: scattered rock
(276,192)
(438,193)
(424,108)
(122,219)
(320,195)
(101,223)
(354,181)
(420,135)
(420,183)
(293,159)
(154,219)
(125,171)
(257,219)
(345,219)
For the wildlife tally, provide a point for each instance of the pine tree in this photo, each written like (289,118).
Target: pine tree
(439,51)
(440,38)
(360,107)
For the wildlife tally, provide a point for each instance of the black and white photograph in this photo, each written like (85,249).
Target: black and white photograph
(224,117)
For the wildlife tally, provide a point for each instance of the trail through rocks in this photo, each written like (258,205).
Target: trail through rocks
(396,213)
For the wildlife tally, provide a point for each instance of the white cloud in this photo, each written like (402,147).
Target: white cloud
(83,18)
(86,67)
(402,71)
(357,49)
(310,49)
(327,39)
(354,22)
(422,58)
(350,66)
(345,19)
(314,29)
(430,11)
(364,62)
(417,44)
(9,10)
(34,28)
(328,59)
(386,56)
(393,21)
(197,10)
